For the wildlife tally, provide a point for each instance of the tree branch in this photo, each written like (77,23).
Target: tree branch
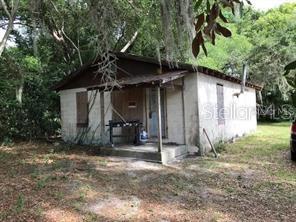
(3,3)
(11,16)
(130,2)
(15,23)
(74,45)
(130,42)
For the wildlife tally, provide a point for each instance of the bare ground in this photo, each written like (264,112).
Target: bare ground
(42,182)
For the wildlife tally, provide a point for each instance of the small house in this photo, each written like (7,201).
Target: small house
(183,108)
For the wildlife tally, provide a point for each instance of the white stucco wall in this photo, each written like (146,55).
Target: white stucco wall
(200,111)
(175,123)
(69,114)
(240,112)
(191,112)
(70,132)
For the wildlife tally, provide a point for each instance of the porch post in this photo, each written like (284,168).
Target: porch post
(102,104)
(159,120)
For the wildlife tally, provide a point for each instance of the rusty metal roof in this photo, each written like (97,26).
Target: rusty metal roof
(173,70)
(188,67)
(146,80)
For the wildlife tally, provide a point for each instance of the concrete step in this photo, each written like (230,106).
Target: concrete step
(147,156)
(168,155)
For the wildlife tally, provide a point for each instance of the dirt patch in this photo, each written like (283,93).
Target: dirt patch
(115,208)
(55,214)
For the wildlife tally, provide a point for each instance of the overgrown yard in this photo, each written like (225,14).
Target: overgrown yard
(253,180)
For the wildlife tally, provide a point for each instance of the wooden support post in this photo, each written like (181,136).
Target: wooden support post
(111,132)
(183,112)
(159,120)
(212,146)
(102,105)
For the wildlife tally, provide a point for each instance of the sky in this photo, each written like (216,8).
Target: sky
(268,4)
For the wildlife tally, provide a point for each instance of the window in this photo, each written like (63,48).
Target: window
(132,105)
(220,104)
(82,109)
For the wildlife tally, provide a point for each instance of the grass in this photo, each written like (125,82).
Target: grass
(20,203)
(267,148)
(250,181)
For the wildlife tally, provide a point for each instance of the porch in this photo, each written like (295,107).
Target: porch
(154,103)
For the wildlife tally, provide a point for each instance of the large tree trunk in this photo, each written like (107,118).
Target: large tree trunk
(11,15)
(5,37)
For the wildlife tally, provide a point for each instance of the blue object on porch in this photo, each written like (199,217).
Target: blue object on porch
(143,136)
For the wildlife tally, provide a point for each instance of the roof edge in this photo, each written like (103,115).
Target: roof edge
(172,64)
(190,67)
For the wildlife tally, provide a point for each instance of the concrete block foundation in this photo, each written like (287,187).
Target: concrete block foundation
(148,152)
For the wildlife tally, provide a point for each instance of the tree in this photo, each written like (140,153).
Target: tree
(208,22)
(273,49)
(228,55)
(10,11)
(289,67)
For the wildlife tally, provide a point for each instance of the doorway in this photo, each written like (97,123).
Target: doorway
(153,116)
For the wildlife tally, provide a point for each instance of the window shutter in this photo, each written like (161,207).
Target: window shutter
(82,109)
(220,105)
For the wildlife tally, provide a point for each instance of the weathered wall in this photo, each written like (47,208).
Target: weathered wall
(70,131)
(240,112)
(175,120)
(200,111)
(191,112)
(69,114)
(94,135)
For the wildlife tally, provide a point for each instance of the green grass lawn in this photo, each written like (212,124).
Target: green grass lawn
(267,148)
(252,180)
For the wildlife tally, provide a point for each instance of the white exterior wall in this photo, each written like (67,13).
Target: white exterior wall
(191,112)
(240,112)
(175,122)
(94,134)
(200,100)
(69,114)
(70,132)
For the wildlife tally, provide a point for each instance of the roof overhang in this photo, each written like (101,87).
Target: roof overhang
(141,81)
(177,69)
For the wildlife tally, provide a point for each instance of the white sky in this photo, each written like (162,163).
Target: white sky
(268,4)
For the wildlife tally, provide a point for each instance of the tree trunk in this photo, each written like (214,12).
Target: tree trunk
(11,15)
(19,90)
(6,35)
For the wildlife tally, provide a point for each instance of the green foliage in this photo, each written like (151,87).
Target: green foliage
(275,36)
(20,203)
(228,54)
(266,41)
(220,146)
(38,114)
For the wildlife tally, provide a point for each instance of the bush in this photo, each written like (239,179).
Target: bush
(37,116)
(220,146)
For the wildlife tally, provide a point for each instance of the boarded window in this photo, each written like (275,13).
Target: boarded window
(220,105)
(82,109)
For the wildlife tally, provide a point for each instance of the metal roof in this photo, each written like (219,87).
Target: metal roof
(142,80)
(176,70)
